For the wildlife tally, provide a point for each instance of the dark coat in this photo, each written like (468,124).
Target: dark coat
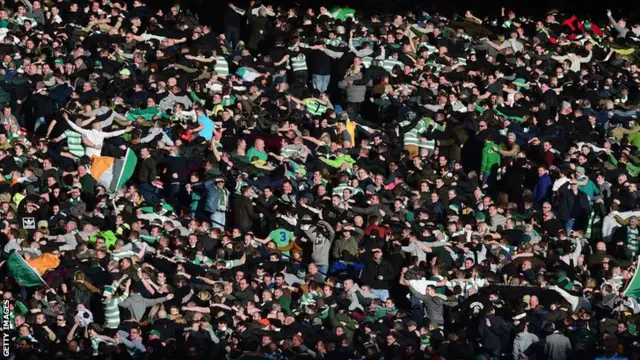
(243,213)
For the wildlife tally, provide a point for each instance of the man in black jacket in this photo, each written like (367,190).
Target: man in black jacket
(494,334)
(377,274)
(265,205)
(243,212)
(147,174)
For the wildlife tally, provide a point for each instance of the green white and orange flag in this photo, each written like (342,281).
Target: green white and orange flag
(113,173)
(22,272)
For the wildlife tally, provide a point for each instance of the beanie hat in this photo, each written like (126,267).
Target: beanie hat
(108,290)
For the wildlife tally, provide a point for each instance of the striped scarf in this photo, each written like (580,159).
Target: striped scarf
(239,186)
(594,224)
(632,241)
(309,299)
(222,202)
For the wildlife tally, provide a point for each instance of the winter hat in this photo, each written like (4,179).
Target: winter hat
(108,290)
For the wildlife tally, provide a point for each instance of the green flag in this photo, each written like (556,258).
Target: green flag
(112,173)
(123,170)
(343,13)
(22,272)
(633,289)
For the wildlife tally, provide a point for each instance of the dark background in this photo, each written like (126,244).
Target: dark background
(212,11)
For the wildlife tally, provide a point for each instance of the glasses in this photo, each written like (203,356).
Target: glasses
(59,319)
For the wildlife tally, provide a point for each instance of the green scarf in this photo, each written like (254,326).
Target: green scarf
(222,202)
(569,282)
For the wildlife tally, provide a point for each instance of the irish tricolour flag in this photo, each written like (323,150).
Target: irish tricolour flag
(112,173)
(22,272)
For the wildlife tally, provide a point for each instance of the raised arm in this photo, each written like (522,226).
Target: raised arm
(72,332)
(199,58)
(117,133)
(75,127)
(237,9)
(151,302)
(52,124)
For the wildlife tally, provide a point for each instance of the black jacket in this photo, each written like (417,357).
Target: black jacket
(373,269)
(243,213)
(495,336)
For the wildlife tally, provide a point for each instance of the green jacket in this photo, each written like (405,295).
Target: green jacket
(5,96)
(339,160)
(490,158)
(146,114)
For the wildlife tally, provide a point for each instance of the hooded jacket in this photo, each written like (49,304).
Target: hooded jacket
(522,342)
(137,305)
(322,240)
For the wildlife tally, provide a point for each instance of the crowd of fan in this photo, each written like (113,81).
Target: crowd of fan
(319,184)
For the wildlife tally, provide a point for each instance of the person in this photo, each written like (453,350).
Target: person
(95,136)
(556,346)
(490,160)
(433,302)
(524,343)
(377,274)
(493,331)
(327,183)
(245,214)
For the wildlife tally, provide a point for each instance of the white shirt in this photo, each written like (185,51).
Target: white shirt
(96,137)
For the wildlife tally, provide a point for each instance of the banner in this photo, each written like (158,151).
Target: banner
(22,272)
(113,173)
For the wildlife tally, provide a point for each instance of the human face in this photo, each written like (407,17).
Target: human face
(243,284)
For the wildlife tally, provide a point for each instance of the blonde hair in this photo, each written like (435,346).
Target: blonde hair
(353,70)
(326,138)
